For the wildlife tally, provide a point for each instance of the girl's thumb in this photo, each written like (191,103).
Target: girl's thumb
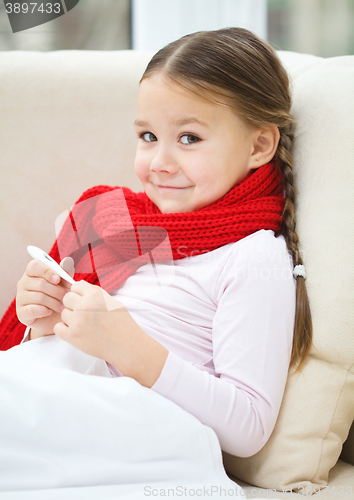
(68,265)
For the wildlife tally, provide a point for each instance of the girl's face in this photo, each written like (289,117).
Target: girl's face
(191,152)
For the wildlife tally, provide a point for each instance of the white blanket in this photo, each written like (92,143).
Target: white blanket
(68,430)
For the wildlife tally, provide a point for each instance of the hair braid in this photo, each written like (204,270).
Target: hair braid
(303,321)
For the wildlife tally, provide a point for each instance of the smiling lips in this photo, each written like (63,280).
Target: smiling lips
(170,188)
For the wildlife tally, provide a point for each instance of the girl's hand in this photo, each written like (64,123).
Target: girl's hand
(86,323)
(39,297)
(99,325)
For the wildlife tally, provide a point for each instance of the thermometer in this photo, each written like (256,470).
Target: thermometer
(39,254)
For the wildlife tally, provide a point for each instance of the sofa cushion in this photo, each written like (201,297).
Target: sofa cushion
(340,485)
(318,405)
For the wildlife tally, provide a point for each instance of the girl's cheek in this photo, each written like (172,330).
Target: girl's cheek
(141,167)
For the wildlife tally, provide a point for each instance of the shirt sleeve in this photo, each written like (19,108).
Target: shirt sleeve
(252,341)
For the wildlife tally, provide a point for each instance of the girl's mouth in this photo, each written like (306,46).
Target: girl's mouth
(168,189)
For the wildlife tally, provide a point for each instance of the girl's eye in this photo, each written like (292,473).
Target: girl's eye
(189,139)
(148,137)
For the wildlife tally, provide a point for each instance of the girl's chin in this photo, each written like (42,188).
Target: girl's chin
(172,208)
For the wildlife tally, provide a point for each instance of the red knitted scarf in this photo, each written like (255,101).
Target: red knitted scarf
(110,232)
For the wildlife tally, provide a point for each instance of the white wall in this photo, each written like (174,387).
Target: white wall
(156,23)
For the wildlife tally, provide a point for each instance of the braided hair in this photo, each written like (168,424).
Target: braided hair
(235,66)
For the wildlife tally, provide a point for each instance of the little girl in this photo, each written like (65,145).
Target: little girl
(214,138)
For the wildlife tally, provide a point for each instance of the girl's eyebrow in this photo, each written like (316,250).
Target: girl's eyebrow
(178,123)
(188,121)
(140,123)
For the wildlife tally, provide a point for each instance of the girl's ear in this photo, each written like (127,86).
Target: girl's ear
(264,146)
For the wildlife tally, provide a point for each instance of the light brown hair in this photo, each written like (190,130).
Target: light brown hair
(235,64)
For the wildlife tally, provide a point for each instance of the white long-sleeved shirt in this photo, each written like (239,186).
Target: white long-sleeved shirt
(227,319)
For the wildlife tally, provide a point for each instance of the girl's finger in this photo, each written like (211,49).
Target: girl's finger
(72,301)
(36,269)
(41,285)
(67,316)
(80,287)
(61,330)
(31,312)
(41,299)
(68,265)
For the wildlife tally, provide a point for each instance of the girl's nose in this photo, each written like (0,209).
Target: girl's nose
(163,161)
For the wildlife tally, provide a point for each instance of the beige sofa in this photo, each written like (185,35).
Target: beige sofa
(67,124)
